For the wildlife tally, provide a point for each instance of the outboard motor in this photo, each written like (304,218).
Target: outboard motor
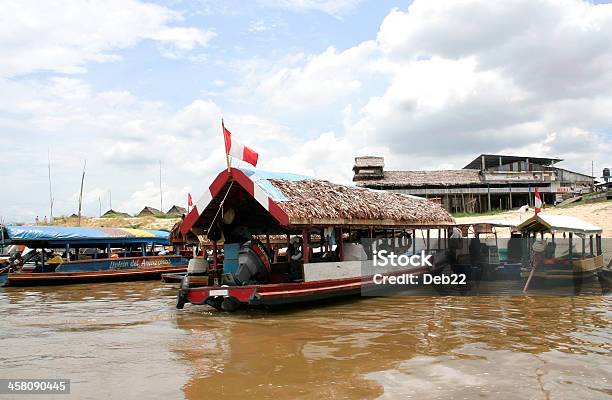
(253,265)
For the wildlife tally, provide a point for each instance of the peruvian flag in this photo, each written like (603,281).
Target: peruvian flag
(538,201)
(238,150)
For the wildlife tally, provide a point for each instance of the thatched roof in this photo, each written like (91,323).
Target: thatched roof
(149,211)
(268,202)
(112,213)
(369,161)
(316,200)
(176,210)
(397,179)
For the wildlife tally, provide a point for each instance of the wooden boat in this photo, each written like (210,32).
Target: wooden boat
(561,262)
(323,225)
(65,255)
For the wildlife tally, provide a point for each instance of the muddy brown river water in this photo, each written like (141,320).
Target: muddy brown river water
(127,341)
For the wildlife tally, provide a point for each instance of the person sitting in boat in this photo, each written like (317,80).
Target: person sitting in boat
(295,257)
(55,259)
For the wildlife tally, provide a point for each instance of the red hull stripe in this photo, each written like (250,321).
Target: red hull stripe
(248,185)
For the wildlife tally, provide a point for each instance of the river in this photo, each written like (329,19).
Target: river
(127,341)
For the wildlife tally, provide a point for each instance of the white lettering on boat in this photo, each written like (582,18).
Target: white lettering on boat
(138,263)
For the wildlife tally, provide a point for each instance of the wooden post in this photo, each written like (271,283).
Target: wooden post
(583,246)
(215,263)
(591,245)
(413,241)
(305,245)
(489,195)
(428,241)
(341,244)
(598,241)
(268,243)
(571,252)
(510,190)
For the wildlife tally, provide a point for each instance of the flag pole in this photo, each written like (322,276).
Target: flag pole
(227,157)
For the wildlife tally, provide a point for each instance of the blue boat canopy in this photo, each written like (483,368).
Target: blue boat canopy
(63,235)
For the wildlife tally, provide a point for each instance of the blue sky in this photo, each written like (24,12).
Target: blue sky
(310,84)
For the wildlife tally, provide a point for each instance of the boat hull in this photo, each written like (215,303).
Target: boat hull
(66,278)
(98,270)
(229,298)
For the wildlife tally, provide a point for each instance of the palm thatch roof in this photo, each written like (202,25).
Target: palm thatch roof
(148,211)
(113,214)
(369,161)
(274,203)
(397,179)
(176,210)
(315,201)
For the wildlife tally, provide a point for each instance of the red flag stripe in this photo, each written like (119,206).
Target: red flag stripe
(238,150)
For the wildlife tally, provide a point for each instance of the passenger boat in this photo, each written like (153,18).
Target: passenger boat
(325,228)
(568,252)
(53,255)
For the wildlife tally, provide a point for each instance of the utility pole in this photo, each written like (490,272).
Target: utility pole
(161,195)
(81,192)
(50,188)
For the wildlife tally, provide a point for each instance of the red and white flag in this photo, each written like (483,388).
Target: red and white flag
(238,150)
(538,201)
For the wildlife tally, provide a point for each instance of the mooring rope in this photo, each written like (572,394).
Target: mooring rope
(220,207)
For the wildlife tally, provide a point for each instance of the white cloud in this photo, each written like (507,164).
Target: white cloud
(63,36)
(298,82)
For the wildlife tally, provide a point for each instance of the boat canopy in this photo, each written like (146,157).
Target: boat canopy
(77,236)
(268,202)
(558,223)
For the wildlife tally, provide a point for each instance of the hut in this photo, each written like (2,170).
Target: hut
(115,214)
(149,212)
(176,211)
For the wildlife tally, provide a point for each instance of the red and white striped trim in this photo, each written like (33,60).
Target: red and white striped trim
(248,185)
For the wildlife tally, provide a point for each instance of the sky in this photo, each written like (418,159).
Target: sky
(309,84)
